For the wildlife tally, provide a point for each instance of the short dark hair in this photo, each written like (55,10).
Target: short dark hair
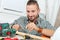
(30,2)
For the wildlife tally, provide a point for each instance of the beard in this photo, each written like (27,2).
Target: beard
(32,18)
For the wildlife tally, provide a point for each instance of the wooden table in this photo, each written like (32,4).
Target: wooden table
(32,36)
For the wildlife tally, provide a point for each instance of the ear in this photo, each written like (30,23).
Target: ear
(38,11)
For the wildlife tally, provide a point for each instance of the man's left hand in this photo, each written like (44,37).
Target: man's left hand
(31,26)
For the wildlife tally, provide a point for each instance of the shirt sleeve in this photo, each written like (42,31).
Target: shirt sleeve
(20,22)
(46,24)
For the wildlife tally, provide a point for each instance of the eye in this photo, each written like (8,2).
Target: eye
(33,10)
(28,11)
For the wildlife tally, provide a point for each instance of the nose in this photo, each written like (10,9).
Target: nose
(30,14)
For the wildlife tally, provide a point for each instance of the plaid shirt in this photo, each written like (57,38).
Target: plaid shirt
(23,21)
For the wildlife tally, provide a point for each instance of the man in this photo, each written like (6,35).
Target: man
(33,24)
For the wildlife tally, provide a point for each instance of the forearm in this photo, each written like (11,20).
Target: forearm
(46,32)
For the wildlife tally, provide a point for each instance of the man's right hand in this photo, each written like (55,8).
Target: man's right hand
(16,27)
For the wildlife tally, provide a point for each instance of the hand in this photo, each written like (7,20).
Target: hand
(31,26)
(16,27)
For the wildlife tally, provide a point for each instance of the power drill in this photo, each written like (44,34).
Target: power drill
(5,30)
(8,32)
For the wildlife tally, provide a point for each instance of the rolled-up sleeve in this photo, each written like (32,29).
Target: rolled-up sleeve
(46,24)
(49,26)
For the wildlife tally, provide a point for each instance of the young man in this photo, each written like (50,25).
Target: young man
(33,24)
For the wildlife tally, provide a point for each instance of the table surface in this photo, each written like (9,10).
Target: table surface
(22,37)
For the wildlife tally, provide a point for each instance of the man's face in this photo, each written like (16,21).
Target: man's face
(32,12)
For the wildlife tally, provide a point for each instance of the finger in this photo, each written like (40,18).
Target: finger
(27,26)
(30,28)
(13,27)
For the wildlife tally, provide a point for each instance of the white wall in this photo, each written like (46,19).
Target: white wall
(20,5)
(53,6)
(6,18)
(10,16)
(0,3)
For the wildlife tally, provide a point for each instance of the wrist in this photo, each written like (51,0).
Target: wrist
(37,29)
(40,30)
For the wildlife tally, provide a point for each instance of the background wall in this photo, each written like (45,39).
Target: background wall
(57,23)
(52,10)
(0,3)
